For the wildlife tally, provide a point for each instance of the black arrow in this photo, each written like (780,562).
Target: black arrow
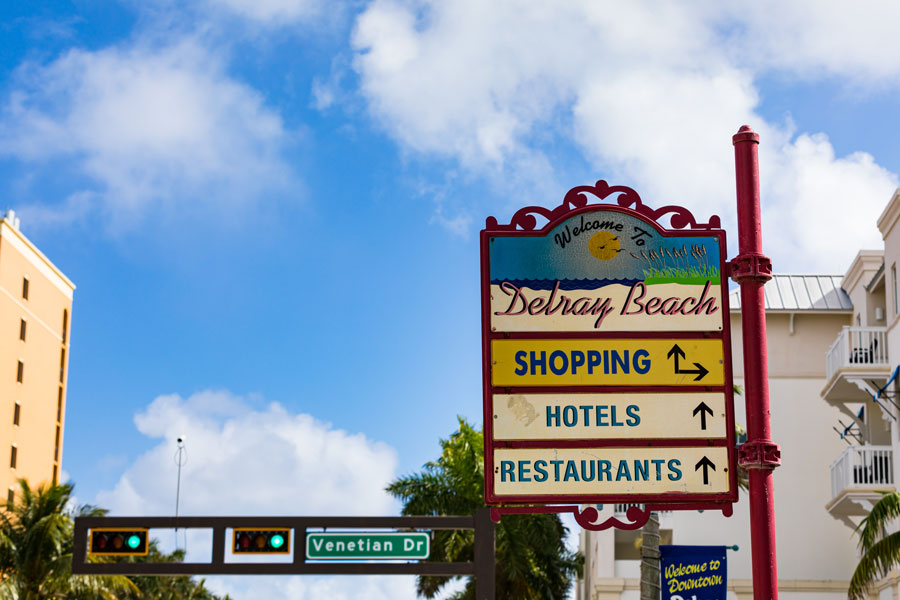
(703,409)
(706,464)
(701,371)
(677,352)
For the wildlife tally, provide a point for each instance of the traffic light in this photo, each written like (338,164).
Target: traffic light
(261,541)
(118,542)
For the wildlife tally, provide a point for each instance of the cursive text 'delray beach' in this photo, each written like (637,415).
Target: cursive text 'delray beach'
(523,301)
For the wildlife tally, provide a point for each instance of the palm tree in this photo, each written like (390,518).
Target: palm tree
(880,549)
(650,559)
(650,555)
(36,548)
(532,560)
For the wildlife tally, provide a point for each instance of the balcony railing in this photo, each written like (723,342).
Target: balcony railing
(857,347)
(864,467)
(621,509)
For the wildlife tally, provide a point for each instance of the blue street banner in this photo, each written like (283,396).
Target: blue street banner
(693,572)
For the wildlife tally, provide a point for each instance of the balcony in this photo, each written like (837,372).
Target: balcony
(620,509)
(858,356)
(858,478)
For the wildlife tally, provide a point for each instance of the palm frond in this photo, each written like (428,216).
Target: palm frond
(874,564)
(874,526)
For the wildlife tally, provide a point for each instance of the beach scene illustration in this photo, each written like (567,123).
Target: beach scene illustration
(605,271)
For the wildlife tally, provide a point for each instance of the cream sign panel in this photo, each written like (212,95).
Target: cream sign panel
(600,471)
(605,272)
(609,416)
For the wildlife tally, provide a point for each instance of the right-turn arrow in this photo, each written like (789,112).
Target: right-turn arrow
(676,353)
(707,465)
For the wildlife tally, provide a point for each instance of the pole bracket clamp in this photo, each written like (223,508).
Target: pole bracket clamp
(759,454)
(750,267)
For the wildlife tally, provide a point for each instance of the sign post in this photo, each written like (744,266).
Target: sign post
(607,359)
(759,455)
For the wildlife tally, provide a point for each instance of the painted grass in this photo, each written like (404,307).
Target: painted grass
(690,276)
(683,280)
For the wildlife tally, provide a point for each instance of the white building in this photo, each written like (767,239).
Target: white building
(834,347)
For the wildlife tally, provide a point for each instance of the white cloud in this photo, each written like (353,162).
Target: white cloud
(650,92)
(315,588)
(826,207)
(825,37)
(246,461)
(151,129)
(273,12)
(243,460)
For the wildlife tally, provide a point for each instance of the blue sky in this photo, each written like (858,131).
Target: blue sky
(271,207)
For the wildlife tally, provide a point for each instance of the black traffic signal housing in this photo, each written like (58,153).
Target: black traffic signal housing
(118,541)
(249,540)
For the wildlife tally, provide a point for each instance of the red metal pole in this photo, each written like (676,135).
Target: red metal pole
(759,455)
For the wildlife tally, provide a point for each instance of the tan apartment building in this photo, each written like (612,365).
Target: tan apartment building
(805,314)
(35,317)
(862,382)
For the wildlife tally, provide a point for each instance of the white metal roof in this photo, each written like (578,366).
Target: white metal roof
(801,292)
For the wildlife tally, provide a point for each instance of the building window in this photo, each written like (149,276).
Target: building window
(16,413)
(56,449)
(13,455)
(62,364)
(54,474)
(11,496)
(59,405)
(20,372)
(22,325)
(25,288)
(65,325)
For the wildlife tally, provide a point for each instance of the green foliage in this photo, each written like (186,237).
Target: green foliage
(532,560)
(36,548)
(36,536)
(880,550)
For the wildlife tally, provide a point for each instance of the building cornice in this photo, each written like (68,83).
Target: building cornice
(31,252)
(865,261)
(889,217)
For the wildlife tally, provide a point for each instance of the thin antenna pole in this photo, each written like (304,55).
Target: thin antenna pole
(179,460)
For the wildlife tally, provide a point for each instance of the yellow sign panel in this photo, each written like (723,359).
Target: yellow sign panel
(609,416)
(604,471)
(618,362)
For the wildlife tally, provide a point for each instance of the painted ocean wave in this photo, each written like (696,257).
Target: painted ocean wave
(565,284)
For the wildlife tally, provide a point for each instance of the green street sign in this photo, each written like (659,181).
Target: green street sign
(393,545)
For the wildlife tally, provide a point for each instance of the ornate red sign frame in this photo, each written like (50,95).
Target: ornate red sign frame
(681,223)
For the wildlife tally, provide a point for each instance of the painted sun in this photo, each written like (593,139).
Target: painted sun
(604,245)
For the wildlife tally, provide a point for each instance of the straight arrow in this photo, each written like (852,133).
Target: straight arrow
(707,465)
(677,352)
(703,409)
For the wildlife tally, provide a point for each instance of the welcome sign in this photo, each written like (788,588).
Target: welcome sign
(607,355)
(605,271)
(693,572)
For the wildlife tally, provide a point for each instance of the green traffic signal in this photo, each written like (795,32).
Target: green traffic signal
(117,541)
(249,540)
